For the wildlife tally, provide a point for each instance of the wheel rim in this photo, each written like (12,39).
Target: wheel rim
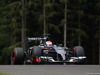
(32,56)
(74,51)
(13,57)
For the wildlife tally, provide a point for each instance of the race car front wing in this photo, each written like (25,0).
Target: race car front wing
(80,59)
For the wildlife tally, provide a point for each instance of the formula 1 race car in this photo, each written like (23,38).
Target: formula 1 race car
(46,52)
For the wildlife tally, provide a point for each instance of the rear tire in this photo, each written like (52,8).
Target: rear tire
(17,57)
(36,52)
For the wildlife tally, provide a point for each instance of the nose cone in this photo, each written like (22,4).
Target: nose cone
(60,51)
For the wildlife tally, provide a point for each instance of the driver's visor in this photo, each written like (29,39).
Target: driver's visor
(49,45)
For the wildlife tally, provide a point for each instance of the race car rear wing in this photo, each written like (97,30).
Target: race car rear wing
(46,38)
(37,39)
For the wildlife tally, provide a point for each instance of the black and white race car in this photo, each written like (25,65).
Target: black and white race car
(46,52)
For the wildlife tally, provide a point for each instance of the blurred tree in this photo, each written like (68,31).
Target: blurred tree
(65,24)
(80,18)
(97,35)
(23,24)
(44,14)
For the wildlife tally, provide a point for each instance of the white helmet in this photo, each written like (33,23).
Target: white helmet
(48,43)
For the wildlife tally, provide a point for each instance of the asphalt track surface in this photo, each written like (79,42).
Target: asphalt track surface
(51,69)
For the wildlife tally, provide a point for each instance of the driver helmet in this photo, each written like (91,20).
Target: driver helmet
(48,43)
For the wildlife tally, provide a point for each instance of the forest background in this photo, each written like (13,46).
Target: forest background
(77,22)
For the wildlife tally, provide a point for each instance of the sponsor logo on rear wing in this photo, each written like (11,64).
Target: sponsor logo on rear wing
(36,39)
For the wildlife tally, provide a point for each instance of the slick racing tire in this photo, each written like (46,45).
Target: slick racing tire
(36,53)
(78,51)
(17,57)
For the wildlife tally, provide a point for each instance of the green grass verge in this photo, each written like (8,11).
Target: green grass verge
(4,73)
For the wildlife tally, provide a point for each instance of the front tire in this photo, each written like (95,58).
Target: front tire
(17,57)
(36,53)
(79,51)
